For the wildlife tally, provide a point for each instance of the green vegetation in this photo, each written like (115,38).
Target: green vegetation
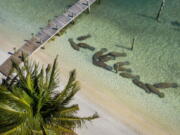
(31,104)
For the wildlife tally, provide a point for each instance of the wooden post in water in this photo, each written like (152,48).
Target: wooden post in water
(89,8)
(160,10)
(32,35)
(132,45)
(49,22)
(73,22)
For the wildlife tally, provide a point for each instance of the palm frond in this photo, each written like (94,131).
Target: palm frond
(75,121)
(29,82)
(5,95)
(48,69)
(76,118)
(8,109)
(11,118)
(72,109)
(9,130)
(62,95)
(11,83)
(19,71)
(69,97)
(27,105)
(52,79)
(60,129)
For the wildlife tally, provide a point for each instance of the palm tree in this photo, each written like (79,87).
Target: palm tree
(30,103)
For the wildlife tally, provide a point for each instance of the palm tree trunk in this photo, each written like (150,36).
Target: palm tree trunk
(43,130)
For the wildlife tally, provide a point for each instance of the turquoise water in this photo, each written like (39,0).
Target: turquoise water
(113,24)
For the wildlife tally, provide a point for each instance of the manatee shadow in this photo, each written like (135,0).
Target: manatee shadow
(124,47)
(146,16)
(175,23)
(176,29)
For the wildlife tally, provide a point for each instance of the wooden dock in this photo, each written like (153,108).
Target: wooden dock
(46,33)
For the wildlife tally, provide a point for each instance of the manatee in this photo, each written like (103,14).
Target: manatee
(84,37)
(86,46)
(99,53)
(128,75)
(117,54)
(165,85)
(122,63)
(105,58)
(141,85)
(121,68)
(73,44)
(102,65)
(154,90)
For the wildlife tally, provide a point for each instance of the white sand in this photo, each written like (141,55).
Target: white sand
(105,125)
(3,57)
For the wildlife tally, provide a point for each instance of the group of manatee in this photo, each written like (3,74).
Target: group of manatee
(102,56)
(77,46)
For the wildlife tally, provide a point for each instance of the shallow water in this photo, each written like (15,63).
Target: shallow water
(113,24)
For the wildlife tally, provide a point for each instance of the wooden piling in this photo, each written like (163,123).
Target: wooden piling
(99,1)
(160,10)
(132,45)
(89,7)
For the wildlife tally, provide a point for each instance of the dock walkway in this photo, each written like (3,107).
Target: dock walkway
(46,33)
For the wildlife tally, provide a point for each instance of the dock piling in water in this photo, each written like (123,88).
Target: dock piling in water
(132,45)
(160,10)
(99,1)
(89,6)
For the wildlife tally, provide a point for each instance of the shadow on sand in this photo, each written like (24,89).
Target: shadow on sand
(146,16)
(175,23)
(124,47)
(176,29)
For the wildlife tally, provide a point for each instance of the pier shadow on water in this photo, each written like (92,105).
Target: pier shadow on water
(176,25)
